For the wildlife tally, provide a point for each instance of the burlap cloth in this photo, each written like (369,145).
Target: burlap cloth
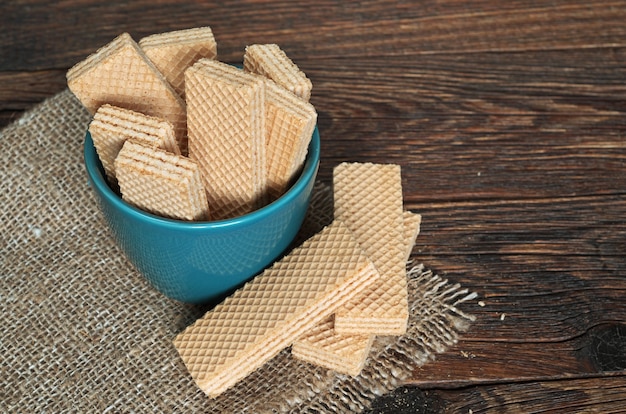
(83,332)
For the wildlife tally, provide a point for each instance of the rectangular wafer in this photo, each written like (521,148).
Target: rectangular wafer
(173,52)
(271,61)
(289,123)
(271,311)
(161,183)
(112,126)
(322,346)
(411,225)
(368,199)
(120,74)
(346,353)
(225,111)
(319,214)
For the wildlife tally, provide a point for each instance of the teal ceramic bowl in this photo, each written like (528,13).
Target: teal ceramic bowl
(200,262)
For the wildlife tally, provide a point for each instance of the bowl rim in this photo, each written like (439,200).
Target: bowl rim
(97,180)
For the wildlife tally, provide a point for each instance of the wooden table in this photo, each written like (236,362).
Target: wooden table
(509,122)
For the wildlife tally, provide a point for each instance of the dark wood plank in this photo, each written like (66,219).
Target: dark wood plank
(480,126)
(22,90)
(550,278)
(595,395)
(33,41)
(329,29)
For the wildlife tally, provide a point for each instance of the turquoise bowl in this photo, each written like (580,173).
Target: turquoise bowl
(203,262)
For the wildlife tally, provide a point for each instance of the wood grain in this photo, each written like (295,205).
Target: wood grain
(22,90)
(330,29)
(511,126)
(32,41)
(603,395)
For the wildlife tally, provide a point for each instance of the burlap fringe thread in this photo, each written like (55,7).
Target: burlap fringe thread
(435,324)
(83,332)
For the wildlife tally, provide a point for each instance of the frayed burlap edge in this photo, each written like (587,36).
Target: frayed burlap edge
(435,323)
(84,332)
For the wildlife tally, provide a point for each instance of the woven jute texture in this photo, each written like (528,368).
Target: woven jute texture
(83,332)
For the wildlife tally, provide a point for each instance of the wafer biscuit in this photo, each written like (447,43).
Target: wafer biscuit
(173,52)
(289,124)
(161,183)
(411,224)
(271,61)
(271,311)
(323,347)
(318,215)
(112,126)
(368,199)
(225,110)
(346,353)
(120,74)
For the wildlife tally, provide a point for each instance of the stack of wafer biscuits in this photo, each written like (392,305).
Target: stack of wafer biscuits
(347,353)
(368,198)
(247,133)
(270,312)
(217,358)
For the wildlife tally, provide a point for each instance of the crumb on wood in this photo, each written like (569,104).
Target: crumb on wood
(468,355)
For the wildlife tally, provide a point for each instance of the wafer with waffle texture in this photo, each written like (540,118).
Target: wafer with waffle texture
(271,61)
(411,226)
(347,353)
(112,126)
(225,111)
(271,311)
(368,199)
(120,74)
(161,183)
(174,52)
(289,124)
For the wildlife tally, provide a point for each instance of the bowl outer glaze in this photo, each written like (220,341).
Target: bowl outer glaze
(198,262)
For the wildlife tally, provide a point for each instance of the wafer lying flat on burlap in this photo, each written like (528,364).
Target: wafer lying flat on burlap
(120,74)
(289,123)
(368,199)
(165,184)
(112,126)
(270,312)
(271,61)
(173,52)
(225,110)
(345,353)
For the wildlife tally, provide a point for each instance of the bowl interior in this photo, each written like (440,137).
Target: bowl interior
(97,177)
